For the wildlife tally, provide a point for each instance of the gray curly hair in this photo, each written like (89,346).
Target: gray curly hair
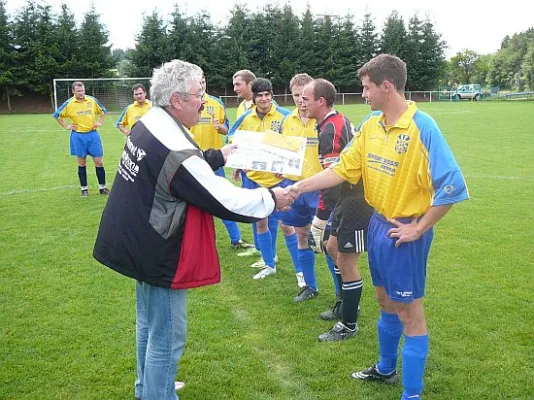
(172,77)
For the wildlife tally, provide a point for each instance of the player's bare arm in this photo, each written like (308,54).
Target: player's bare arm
(415,229)
(323,180)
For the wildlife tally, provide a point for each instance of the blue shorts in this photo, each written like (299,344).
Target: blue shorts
(400,270)
(82,144)
(250,184)
(302,210)
(220,172)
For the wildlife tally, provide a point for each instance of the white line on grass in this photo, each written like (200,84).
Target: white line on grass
(68,187)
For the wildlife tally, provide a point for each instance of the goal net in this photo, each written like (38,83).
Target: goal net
(113,93)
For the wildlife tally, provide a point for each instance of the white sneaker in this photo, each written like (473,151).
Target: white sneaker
(300,280)
(265,272)
(259,263)
(178,385)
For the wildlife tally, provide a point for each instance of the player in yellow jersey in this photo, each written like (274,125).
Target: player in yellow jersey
(134,111)
(241,81)
(411,179)
(84,138)
(264,116)
(302,211)
(207,134)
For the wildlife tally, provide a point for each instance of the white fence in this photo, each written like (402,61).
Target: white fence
(427,96)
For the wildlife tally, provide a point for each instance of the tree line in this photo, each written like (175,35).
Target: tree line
(38,44)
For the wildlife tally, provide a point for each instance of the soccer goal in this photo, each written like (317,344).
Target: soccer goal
(113,93)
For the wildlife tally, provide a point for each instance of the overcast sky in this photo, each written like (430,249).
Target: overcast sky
(463,24)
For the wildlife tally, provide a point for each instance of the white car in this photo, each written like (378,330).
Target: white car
(471,92)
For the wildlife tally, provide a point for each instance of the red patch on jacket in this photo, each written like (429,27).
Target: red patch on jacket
(199,263)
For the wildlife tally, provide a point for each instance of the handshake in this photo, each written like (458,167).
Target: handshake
(284,197)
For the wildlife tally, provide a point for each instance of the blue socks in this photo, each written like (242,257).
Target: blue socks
(414,353)
(307,264)
(266,247)
(255,236)
(332,267)
(233,231)
(272,222)
(292,246)
(389,333)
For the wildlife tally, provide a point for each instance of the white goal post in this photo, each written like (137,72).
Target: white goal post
(114,93)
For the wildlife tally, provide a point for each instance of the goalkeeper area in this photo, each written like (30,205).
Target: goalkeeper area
(115,94)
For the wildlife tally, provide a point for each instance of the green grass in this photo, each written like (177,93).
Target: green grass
(67,324)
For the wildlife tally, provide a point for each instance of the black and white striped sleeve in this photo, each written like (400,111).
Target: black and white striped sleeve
(196,183)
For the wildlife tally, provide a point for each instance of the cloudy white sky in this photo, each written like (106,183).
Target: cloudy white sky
(463,24)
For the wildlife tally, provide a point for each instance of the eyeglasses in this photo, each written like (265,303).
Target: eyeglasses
(198,95)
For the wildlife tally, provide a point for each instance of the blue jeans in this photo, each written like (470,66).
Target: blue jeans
(161,331)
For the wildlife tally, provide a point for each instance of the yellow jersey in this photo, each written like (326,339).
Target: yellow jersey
(250,121)
(406,168)
(204,132)
(82,113)
(131,114)
(292,125)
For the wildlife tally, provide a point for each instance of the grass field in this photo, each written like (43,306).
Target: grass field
(67,324)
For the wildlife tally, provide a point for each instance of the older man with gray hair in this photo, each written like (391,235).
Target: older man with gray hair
(157,226)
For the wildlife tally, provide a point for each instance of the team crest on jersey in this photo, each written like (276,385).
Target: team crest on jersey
(275,125)
(89,104)
(402,144)
(210,110)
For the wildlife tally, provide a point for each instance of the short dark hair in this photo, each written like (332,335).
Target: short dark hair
(77,84)
(325,89)
(385,67)
(259,85)
(245,74)
(138,86)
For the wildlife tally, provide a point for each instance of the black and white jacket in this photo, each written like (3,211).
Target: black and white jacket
(157,226)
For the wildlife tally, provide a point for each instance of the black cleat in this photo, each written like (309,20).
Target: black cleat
(335,313)
(104,191)
(306,293)
(85,192)
(372,374)
(338,332)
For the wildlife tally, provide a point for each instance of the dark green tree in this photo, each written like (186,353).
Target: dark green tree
(413,59)
(393,39)
(432,53)
(326,40)
(307,44)
(285,48)
(94,48)
(346,54)
(24,40)
(68,44)
(179,33)
(233,42)
(152,48)
(368,38)
(7,57)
